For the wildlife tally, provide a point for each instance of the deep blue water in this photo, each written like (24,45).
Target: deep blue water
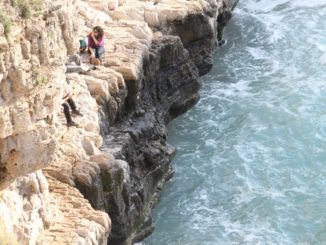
(251,161)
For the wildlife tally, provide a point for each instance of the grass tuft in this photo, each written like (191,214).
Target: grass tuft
(42,80)
(7,23)
(27,7)
(25,10)
(14,3)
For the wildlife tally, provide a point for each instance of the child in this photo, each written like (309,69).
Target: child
(96,44)
(83,43)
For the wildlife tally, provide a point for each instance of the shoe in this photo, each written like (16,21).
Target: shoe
(76,113)
(95,61)
(72,124)
(221,42)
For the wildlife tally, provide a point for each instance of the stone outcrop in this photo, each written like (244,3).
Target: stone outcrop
(60,185)
(141,139)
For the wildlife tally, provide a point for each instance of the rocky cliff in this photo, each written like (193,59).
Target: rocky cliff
(60,185)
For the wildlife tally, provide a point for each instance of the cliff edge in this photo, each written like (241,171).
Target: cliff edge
(66,185)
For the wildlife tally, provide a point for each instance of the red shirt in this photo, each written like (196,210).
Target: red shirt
(91,43)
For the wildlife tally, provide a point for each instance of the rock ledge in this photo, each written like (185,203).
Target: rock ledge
(62,185)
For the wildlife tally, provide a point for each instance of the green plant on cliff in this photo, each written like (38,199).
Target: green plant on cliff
(37,5)
(27,7)
(6,22)
(14,3)
(42,80)
(25,10)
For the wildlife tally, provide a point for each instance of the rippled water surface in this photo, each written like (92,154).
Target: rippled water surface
(251,161)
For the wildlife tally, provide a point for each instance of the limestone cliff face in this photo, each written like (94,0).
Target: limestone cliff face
(58,184)
(34,135)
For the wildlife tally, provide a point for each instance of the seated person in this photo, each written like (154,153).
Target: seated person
(83,43)
(96,44)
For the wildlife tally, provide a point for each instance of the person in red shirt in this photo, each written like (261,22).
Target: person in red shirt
(96,43)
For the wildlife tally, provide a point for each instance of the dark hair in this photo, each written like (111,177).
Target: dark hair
(100,31)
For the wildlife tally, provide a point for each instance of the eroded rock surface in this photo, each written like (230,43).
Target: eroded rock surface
(59,185)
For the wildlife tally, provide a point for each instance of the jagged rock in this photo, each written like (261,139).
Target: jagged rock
(2,29)
(146,79)
(98,87)
(3,44)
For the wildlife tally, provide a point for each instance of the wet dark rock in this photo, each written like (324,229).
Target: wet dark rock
(128,188)
(198,37)
(170,79)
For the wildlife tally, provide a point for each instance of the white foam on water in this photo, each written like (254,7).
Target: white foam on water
(211,142)
(323,59)
(239,89)
(263,6)
(309,4)
(255,233)
(251,157)
(259,54)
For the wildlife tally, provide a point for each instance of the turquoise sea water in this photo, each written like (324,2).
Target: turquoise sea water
(251,160)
